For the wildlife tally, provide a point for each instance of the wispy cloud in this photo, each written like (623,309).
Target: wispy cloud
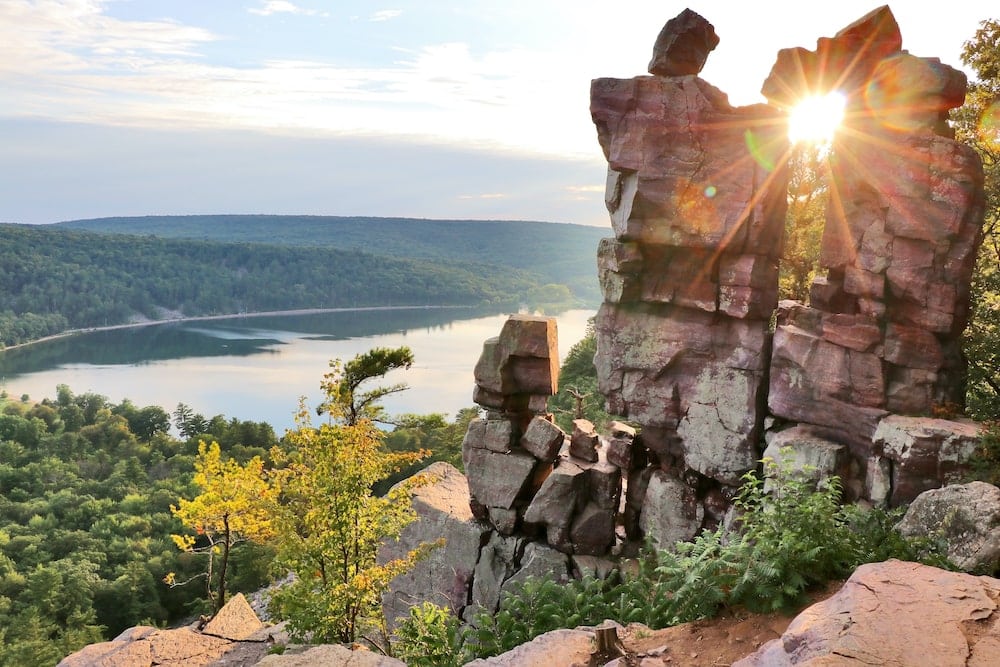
(72,61)
(270,7)
(385,15)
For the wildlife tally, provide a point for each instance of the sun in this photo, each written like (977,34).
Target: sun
(815,119)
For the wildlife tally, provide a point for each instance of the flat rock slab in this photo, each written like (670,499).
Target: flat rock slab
(896,614)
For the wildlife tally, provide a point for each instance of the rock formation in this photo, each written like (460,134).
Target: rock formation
(894,613)
(234,631)
(686,347)
(881,332)
(692,345)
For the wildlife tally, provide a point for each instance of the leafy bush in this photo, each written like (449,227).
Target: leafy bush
(429,637)
(984,465)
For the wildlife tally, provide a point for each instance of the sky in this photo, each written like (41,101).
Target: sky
(430,109)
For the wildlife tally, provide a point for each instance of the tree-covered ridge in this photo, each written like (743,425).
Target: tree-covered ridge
(559,253)
(55,279)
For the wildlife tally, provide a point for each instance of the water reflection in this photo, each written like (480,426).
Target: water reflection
(257,368)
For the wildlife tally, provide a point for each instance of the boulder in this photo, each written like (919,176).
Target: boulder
(235,621)
(495,479)
(966,517)
(445,575)
(556,501)
(523,359)
(543,439)
(584,441)
(558,647)
(496,435)
(670,511)
(683,45)
(809,455)
(894,613)
(925,452)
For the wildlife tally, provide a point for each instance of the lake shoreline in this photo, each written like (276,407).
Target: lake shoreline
(207,318)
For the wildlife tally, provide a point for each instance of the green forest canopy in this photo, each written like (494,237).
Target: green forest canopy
(56,279)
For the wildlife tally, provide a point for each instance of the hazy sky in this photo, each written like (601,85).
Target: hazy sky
(434,109)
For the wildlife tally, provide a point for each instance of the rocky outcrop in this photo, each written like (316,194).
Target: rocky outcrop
(559,647)
(966,517)
(329,655)
(894,613)
(696,193)
(230,632)
(444,577)
(880,336)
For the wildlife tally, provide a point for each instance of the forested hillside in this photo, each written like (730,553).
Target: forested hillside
(559,253)
(85,493)
(56,279)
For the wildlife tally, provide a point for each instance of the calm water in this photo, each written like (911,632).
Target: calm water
(257,367)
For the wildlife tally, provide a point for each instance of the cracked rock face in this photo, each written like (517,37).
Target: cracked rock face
(894,613)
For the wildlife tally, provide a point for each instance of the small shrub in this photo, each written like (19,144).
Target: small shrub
(429,637)
(984,465)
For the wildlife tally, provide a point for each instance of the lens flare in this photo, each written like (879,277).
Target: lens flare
(816,119)
(989,126)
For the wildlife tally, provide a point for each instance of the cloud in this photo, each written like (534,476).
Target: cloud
(385,15)
(281,7)
(72,61)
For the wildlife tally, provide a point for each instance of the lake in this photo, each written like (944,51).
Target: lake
(256,368)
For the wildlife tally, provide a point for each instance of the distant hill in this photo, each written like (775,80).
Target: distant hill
(558,253)
(54,278)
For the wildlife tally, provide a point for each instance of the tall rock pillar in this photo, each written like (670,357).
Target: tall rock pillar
(696,193)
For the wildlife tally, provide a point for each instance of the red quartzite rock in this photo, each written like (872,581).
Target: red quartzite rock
(894,613)
(683,45)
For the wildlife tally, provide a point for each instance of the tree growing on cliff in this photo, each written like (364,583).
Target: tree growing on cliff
(329,528)
(234,506)
(977,124)
(344,402)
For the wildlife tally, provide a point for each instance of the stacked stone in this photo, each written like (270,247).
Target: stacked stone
(882,331)
(525,474)
(696,194)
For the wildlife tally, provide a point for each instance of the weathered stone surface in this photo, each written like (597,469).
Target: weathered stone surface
(539,562)
(329,655)
(497,562)
(543,439)
(523,359)
(845,61)
(683,45)
(556,501)
(593,530)
(697,375)
(925,452)
(966,516)
(670,511)
(811,456)
(584,440)
(235,621)
(444,576)
(496,435)
(495,479)
(817,382)
(559,647)
(914,94)
(894,613)
(604,485)
(145,646)
(504,521)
